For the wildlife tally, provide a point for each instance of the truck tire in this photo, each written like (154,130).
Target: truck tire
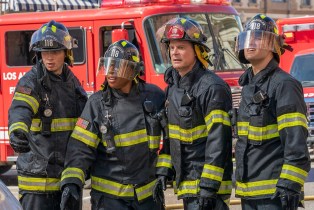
(5,168)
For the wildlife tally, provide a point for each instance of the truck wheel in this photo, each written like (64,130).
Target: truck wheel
(5,168)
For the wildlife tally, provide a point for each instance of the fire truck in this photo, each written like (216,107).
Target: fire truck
(299,33)
(95,29)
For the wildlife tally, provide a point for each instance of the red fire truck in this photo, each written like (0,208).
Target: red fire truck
(299,33)
(95,29)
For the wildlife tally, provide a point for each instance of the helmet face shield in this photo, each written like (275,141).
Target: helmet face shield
(257,39)
(117,67)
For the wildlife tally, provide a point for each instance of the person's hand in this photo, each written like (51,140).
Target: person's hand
(70,199)
(19,142)
(160,186)
(289,198)
(207,199)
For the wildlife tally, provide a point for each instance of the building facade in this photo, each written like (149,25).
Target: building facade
(273,8)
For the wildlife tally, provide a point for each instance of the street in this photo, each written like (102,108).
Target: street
(10,179)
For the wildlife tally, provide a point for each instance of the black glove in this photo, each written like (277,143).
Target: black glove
(289,198)
(19,141)
(70,199)
(160,186)
(207,199)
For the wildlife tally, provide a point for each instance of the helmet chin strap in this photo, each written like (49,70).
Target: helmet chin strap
(202,55)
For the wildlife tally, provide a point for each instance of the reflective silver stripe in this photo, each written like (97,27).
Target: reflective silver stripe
(38,184)
(85,136)
(132,138)
(187,135)
(257,133)
(266,187)
(292,119)
(217,116)
(60,124)
(212,172)
(145,191)
(112,188)
(189,187)
(31,101)
(154,142)
(18,125)
(164,161)
(293,173)
(73,173)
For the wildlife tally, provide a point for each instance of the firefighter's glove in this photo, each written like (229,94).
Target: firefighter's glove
(19,141)
(159,188)
(289,198)
(70,199)
(207,199)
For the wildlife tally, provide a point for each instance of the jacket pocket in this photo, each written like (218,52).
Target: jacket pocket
(262,127)
(32,164)
(186,123)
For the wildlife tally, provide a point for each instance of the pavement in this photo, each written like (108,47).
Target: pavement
(171,199)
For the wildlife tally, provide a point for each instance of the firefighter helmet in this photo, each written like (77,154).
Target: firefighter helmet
(182,28)
(263,30)
(122,59)
(53,36)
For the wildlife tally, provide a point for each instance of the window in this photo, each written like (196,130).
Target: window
(107,38)
(306,2)
(252,1)
(17,47)
(237,1)
(281,1)
(220,30)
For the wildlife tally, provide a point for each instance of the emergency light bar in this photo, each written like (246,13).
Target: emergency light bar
(108,3)
(298,27)
(290,30)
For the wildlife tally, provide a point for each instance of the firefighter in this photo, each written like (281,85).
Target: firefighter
(47,101)
(197,103)
(116,137)
(272,159)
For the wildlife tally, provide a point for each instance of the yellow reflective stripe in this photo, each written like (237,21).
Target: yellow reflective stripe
(293,173)
(225,187)
(243,128)
(212,172)
(164,160)
(73,173)
(217,116)
(18,125)
(38,184)
(85,136)
(265,187)
(57,125)
(145,191)
(257,133)
(154,142)
(113,188)
(187,135)
(132,138)
(291,119)
(31,101)
(189,187)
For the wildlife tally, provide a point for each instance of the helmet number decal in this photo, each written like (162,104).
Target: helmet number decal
(115,53)
(255,26)
(49,43)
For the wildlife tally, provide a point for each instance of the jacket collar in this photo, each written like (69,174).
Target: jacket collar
(248,76)
(172,76)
